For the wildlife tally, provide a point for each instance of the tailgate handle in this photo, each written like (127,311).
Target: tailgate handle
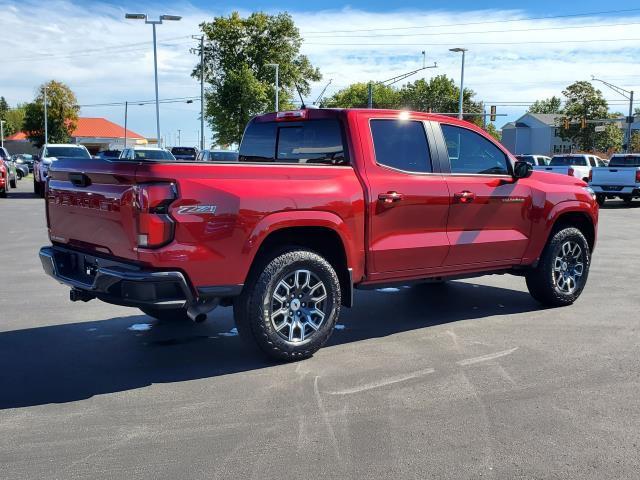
(613,170)
(79,179)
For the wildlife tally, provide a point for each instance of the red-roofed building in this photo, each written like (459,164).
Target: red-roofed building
(94,133)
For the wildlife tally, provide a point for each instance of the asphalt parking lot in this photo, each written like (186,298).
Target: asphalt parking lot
(469,379)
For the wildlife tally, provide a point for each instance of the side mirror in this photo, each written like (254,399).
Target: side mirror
(522,169)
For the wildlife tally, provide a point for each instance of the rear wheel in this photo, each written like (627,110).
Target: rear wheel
(600,198)
(14,183)
(627,200)
(562,271)
(291,306)
(166,315)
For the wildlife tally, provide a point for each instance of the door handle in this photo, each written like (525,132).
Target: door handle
(464,197)
(390,197)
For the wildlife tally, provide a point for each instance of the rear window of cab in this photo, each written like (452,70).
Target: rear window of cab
(315,142)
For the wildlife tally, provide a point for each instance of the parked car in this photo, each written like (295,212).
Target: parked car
(621,178)
(51,153)
(575,165)
(147,153)
(109,154)
(217,156)
(24,159)
(12,174)
(4,179)
(21,170)
(534,160)
(184,153)
(321,202)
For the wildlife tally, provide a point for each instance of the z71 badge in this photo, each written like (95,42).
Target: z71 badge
(197,209)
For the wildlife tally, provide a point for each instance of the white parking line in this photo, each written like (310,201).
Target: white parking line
(486,358)
(383,383)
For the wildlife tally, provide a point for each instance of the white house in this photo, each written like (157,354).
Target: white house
(535,133)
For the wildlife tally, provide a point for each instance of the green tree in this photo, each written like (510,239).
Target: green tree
(547,105)
(493,131)
(439,95)
(14,119)
(610,140)
(584,102)
(62,114)
(356,95)
(635,142)
(240,82)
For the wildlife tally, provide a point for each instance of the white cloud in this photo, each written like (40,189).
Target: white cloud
(105,58)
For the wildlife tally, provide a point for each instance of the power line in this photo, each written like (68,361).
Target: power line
(472,43)
(550,17)
(143,102)
(376,35)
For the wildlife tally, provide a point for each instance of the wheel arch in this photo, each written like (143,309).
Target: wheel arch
(325,235)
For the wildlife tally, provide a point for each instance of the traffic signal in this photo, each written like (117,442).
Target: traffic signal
(493,113)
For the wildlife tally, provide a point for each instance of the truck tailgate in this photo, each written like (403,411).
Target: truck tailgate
(561,170)
(616,176)
(90,206)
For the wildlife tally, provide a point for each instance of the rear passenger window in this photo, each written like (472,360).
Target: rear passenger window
(310,142)
(401,144)
(471,153)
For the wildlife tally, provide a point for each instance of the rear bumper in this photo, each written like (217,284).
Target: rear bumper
(124,283)
(616,190)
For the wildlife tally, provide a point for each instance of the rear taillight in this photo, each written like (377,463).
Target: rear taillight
(590,175)
(637,176)
(155,226)
(571,172)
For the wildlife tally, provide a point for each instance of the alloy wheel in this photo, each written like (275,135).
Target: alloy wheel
(568,267)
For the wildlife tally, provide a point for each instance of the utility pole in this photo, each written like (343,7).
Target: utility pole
(201,135)
(126,105)
(370,96)
(46,127)
(153,23)
(2,122)
(460,102)
(179,140)
(628,94)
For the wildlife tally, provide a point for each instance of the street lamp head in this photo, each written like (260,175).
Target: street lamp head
(174,18)
(135,16)
(458,49)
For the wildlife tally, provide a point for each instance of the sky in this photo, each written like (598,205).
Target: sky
(517,53)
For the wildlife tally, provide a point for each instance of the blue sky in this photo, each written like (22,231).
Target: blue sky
(514,55)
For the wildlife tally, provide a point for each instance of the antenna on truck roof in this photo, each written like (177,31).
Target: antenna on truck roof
(302,105)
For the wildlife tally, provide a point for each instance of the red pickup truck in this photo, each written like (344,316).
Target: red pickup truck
(320,202)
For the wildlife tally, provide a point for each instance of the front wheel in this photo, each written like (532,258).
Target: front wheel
(600,198)
(291,306)
(562,271)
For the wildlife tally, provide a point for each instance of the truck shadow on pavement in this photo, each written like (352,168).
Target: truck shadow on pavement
(71,362)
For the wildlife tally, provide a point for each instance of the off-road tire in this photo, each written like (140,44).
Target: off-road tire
(540,279)
(173,315)
(252,309)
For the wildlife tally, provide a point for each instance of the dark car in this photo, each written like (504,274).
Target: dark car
(24,159)
(217,156)
(184,153)
(108,154)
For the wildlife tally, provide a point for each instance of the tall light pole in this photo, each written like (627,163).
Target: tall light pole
(46,126)
(153,23)
(201,38)
(277,67)
(628,94)
(2,122)
(126,108)
(458,50)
